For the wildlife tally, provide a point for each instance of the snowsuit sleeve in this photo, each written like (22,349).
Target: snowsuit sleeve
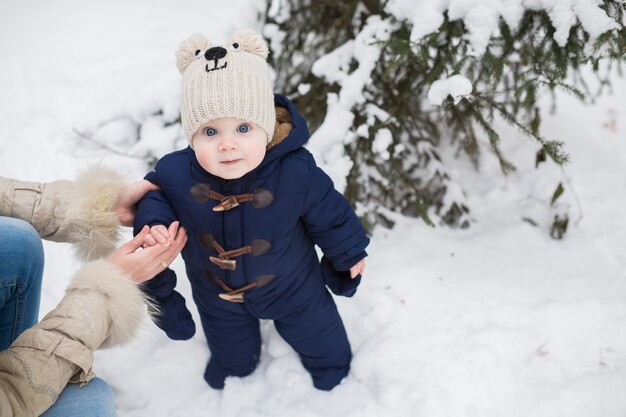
(171,315)
(335,228)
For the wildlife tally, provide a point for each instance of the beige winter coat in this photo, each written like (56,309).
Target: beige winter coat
(102,306)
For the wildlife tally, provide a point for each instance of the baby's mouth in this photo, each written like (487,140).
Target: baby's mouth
(215,67)
(231,161)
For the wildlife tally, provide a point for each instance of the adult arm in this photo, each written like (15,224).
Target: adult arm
(80,212)
(103,307)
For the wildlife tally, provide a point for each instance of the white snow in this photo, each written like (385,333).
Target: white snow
(481,17)
(497,320)
(382,140)
(427,18)
(455,86)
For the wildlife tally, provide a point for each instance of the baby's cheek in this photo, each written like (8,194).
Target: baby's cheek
(203,156)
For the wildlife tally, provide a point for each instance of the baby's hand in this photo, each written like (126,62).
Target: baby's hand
(158,234)
(357,269)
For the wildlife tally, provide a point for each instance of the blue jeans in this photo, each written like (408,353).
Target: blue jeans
(93,400)
(21,269)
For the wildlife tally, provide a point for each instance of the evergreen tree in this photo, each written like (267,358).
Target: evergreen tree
(321,49)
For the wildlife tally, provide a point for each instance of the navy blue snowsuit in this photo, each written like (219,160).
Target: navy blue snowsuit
(258,248)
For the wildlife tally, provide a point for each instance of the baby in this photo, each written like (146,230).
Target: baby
(254,205)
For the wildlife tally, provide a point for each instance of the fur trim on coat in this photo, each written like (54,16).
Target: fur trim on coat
(96,228)
(125,303)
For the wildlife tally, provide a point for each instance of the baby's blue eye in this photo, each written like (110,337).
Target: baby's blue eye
(243,128)
(210,131)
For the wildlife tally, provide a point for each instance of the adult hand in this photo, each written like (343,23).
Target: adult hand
(125,205)
(144,264)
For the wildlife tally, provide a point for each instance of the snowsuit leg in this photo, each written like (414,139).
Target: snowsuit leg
(317,333)
(234,338)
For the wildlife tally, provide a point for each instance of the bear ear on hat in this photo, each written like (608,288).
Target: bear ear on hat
(189,49)
(249,40)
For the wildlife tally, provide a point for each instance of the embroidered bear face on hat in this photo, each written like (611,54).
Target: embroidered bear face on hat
(231,80)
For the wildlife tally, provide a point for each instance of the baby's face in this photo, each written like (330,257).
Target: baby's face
(229,148)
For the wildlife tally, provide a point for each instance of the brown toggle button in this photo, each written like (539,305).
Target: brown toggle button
(260,246)
(234,298)
(262,198)
(201,192)
(224,263)
(263,280)
(227,204)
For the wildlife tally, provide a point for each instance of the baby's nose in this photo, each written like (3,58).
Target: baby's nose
(227,142)
(215,53)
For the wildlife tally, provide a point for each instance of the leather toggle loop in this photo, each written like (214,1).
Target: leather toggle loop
(236,296)
(260,198)
(207,240)
(257,248)
(215,280)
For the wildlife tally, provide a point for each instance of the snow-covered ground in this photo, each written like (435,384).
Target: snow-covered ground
(498,320)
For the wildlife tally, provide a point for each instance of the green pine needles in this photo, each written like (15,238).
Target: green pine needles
(518,67)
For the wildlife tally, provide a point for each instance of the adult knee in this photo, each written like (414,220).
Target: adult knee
(21,250)
(92,400)
(99,399)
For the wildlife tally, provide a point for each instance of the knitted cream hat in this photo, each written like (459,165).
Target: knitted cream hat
(225,81)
